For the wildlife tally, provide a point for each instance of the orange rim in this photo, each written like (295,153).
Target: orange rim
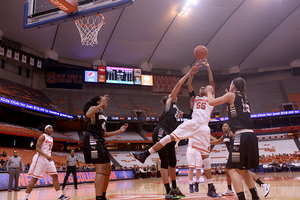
(81,24)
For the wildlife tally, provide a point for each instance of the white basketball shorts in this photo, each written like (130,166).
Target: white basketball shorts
(41,166)
(200,133)
(194,158)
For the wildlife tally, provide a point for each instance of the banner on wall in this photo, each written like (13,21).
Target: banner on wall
(2,51)
(46,180)
(24,58)
(64,78)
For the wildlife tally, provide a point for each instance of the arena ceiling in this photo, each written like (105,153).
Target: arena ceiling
(250,34)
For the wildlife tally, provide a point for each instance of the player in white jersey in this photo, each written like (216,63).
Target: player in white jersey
(42,163)
(197,128)
(195,161)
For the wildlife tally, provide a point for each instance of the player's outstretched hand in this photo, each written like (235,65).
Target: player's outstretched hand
(195,68)
(209,88)
(205,62)
(124,127)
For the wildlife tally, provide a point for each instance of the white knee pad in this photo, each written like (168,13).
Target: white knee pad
(206,163)
(165,140)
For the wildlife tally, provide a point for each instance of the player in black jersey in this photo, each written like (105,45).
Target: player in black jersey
(167,155)
(227,138)
(243,153)
(93,146)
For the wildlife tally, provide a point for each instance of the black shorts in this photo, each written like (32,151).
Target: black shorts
(94,151)
(244,152)
(167,154)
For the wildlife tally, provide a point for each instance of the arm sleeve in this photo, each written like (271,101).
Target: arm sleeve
(192,94)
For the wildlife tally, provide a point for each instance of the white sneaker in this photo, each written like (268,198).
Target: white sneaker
(266,189)
(228,193)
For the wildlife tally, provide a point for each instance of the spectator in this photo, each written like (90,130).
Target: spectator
(2,161)
(220,169)
(158,166)
(13,166)
(63,167)
(284,167)
(4,154)
(3,168)
(27,166)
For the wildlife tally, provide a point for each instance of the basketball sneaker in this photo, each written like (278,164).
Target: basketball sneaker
(141,156)
(228,193)
(63,197)
(177,192)
(171,196)
(266,189)
(191,188)
(196,186)
(212,192)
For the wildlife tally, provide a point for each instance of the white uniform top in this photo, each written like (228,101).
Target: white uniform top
(47,144)
(201,110)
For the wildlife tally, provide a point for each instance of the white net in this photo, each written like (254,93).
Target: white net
(89,27)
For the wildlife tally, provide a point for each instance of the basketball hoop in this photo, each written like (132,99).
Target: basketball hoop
(89,27)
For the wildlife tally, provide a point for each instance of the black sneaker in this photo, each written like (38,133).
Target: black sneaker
(212,192)
(196,186)
(191,188)
(177,192)
(140,156)
(63,197)
(171,196)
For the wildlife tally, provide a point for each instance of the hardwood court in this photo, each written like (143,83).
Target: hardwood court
(284,185)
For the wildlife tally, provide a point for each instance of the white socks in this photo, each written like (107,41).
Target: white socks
(208,181)
(58,193)
(26,195)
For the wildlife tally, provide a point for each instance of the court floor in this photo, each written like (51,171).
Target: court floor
(284,185)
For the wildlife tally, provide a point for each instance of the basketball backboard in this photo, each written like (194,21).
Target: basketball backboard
(42,13)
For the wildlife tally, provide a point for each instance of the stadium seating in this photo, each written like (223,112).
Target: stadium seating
(26,94)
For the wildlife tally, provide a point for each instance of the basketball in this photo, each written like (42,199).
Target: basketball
(200,52)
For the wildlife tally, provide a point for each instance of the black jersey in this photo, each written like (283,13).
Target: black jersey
(227,140)
(239,114)
(97,124)
(169,118)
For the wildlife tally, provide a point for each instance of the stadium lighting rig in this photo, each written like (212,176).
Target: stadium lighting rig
(187,7)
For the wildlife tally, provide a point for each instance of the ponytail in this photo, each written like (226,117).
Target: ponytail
(165,102)
(42,127)
(240,85)
(92,102)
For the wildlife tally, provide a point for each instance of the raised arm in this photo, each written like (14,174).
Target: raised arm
(189,84)
(95,109)
(177,87)
(210,76)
